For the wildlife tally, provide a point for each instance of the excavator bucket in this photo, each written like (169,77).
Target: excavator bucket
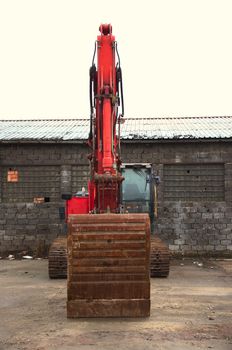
(108,265)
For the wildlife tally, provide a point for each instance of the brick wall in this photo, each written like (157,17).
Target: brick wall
(188,226)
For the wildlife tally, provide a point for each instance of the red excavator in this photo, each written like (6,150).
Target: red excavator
(108,247)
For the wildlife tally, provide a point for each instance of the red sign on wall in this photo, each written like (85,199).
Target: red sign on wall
(12,176)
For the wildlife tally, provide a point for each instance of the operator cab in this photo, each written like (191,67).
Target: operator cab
(138,189)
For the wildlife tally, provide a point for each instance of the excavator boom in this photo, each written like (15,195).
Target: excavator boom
(105,182)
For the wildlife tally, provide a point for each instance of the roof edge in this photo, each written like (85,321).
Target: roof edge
(83,141)
(126,118)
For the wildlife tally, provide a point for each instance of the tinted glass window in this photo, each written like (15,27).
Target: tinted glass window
(136,185)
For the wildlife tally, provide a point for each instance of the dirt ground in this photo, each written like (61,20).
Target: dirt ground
(192,309)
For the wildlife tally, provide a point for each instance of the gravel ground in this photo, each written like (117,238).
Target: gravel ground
(192,309)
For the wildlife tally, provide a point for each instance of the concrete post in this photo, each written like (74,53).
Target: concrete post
(66,179)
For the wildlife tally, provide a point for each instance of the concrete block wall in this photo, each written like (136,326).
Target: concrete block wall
(29,227)
(188,227)
(201,228)
(196,227)
(43,154)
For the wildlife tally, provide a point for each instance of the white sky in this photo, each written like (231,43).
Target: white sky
(176,56)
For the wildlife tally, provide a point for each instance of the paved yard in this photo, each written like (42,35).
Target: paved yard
(192,309)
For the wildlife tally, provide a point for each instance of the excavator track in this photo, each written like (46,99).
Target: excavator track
(159,258)
(57,258)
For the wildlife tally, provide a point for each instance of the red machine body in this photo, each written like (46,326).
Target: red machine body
(105,87)
(77,205)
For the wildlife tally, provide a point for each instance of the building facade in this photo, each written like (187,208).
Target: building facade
(194,197)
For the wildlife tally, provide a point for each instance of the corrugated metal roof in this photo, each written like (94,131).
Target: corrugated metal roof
(178,128)
(44,130)
(63,130)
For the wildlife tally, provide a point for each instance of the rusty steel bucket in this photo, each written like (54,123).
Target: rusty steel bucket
(108,265)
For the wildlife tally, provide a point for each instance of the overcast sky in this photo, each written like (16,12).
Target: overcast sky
(176,56)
